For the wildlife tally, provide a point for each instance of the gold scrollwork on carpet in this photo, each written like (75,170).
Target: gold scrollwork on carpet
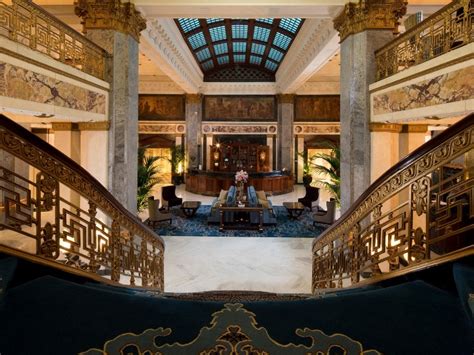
(233,331)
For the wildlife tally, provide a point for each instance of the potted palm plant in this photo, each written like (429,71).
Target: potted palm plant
(329,171)
(147,171)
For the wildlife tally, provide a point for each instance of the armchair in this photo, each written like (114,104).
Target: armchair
(311,199)
(155,215)
(168,194)
(326,217)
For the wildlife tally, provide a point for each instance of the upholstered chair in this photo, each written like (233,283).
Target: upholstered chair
(155,215)
(326,217)
(311,199)
(168,194)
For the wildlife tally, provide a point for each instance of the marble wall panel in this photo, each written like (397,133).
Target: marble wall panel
(442,89)
(24,84)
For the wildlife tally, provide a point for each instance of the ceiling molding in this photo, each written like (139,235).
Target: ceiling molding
(316,43)
(159,87)
(239,88)
(163,44)
(319,88)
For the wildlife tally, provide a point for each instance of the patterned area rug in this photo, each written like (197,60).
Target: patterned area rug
(197,226)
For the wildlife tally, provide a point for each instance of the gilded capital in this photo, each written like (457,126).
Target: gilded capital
(369,15)
(193,98)
(110,15)
(286,98)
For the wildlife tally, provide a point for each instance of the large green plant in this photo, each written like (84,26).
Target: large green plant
(147,170)
(177,158)
(330,172)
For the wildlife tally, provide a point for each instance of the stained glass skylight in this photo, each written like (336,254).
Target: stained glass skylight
(222,46)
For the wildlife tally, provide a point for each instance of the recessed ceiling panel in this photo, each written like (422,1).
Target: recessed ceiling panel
(239,46)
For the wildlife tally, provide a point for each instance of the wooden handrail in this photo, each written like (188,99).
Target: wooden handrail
(453,142)
(52,163)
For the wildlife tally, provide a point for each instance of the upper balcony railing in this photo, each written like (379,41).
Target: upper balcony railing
(418,214)
(54,212)
(26,23)
(449,28)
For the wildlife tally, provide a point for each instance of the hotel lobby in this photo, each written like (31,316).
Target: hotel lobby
(191,169)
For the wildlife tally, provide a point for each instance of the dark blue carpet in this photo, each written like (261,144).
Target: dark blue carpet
(197,226)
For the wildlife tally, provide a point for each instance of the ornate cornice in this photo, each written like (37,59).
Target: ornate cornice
(415,128)
(316,128)
(370,15)
(316,43)
(237,88)
(81,126)
(94,126)
(193,99)
(161,128)
(158,87)
(164,45)
(238,128)
(110,15)
(385,127)
(286,99)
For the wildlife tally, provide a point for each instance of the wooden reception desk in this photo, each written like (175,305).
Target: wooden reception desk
(211,183)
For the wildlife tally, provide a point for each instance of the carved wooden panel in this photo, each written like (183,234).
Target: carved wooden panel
(161,107)
(320,108)
(238,108)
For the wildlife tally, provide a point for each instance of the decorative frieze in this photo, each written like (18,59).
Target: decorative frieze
(157,128)
(81,126)
(304,129)
(229,128)
(370,15)
(110,15)
(385,127)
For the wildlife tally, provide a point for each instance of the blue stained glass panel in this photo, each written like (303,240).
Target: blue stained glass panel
(261,33)
(239,46)
(220,48)
(258,48)
(239,58)
(203,55)
(197,40)
(275,55)
(208,65)
(282,41)
(290,24)
(266,20)
(270,65)
(255,60)
(188,24)
(223,60)
(218,33)
(213,20)
(239,31)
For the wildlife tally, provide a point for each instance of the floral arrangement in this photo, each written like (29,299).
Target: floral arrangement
(241,176)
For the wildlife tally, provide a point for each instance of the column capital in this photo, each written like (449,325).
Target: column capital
(110,15)
(193,98)
(369,15)
(286,98)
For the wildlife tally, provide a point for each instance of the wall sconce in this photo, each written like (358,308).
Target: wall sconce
(262,156)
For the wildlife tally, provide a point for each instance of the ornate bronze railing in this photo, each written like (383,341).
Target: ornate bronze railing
(57,212)
(449,28)
(419,213)
(28,24)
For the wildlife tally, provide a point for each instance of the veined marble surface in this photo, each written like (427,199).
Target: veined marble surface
(194,264)
(283,265)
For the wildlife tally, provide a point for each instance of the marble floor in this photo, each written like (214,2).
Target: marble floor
(283,265)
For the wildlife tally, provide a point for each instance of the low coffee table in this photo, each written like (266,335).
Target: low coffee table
(295,209)
(189,208)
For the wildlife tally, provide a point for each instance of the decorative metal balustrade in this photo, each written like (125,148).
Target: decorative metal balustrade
(26,23)
(55,212)
(446,30)
(419,213)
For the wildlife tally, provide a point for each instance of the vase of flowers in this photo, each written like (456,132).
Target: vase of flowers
(241,178)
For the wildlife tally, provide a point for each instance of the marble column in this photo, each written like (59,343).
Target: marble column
(193,129)
(362,30)
(116,28)
(286,111)
(300,159)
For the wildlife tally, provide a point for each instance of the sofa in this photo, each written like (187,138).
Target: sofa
(256,198)
(225,197)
